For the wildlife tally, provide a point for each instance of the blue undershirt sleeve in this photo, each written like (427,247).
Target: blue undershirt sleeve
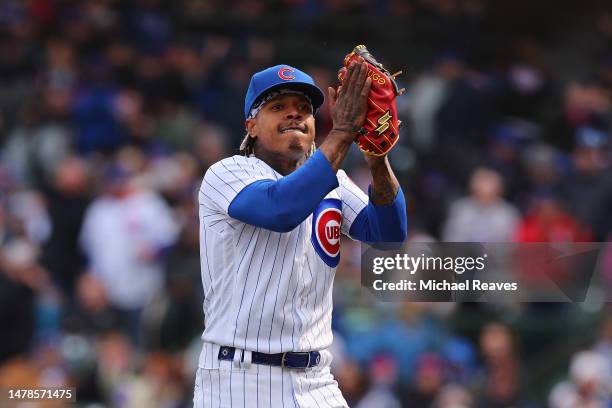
(283,204)
(382,223)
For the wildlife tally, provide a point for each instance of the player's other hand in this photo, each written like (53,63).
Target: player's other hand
(348,104)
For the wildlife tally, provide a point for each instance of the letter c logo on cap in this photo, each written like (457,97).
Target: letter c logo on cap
(282,73)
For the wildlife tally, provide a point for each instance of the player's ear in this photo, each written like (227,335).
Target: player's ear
(251,127)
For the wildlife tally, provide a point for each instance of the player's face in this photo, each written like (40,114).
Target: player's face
(284,126)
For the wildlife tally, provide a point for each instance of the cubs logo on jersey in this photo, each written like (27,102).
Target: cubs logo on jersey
(325,237)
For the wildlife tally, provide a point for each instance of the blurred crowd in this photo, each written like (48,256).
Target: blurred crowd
(112,110)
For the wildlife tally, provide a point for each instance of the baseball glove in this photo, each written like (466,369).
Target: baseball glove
(381,129)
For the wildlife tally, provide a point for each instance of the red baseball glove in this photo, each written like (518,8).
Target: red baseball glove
(381,129)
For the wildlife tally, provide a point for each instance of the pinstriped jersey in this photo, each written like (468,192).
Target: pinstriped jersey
(269,291)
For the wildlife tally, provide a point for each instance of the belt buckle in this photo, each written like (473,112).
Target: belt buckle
(303,352)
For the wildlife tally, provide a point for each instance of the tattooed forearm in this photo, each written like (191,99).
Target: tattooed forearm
(384,184)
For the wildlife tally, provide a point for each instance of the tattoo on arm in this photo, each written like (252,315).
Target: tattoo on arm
(335,148)
(384,183)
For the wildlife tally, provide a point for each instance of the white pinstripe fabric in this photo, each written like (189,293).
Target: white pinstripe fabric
(264,291)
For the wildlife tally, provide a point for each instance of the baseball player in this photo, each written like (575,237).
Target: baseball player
(270,225)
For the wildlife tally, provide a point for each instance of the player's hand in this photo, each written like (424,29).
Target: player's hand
(348,107)
(348,104)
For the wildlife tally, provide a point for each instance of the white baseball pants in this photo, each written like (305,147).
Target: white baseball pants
(240,384)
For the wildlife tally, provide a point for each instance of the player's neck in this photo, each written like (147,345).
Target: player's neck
(281,164)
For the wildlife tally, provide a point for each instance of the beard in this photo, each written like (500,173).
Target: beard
(296,146)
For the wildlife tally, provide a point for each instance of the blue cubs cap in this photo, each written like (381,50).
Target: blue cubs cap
(281,77)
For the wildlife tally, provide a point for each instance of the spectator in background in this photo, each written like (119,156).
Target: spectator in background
(585,103)
(28,215)
(428,380)
(211,145)
(588,385)
(484,216)
(116,361)
(421,105)
(94,111)
(547,221)
(90,312)
(36,146)
(460,360)
(587,193)
(137,124)
(159,383)
(463,118)
(177,318)
(500,385)
(453,396)
(352,381)
(20,281)
(506,141)
(67,200)
(125,233)
(544,168)
(382,372)
(603,343)
(527,86)
(402,330)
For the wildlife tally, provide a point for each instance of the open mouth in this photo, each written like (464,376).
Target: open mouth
(293,128)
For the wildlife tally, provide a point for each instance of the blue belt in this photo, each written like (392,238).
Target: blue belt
(288,360)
